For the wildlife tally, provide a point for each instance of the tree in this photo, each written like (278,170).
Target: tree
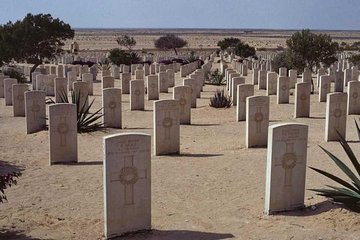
(126,41)
(355,59)
(307,49)
(170,41)
(33,39)
(244,50)
(228,43)
(119,56)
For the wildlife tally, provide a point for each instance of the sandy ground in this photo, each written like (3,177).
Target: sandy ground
(213,190)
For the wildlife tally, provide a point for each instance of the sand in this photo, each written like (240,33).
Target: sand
(213,190)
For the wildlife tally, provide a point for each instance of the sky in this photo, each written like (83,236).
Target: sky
(264,14)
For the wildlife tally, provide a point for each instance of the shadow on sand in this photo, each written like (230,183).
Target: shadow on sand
(312,210)
(12,234)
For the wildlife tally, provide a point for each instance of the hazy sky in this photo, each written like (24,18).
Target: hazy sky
(278,14)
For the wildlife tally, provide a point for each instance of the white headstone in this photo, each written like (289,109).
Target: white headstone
(183,95)
(353,91)
(243,91)
(137,90)
(112,107)
(302,99)
(335,121)
(35,111)
(8,82)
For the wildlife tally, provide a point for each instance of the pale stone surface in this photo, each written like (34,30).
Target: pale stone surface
(2,92)
(302,100)
(127,183)
(183,95)
(286,167)
(353,91)
(262,79)
(163,82)
(60,89)
(257,121)
(108,82)
(35,111)
(283,88)
(243,91)
(40,82)
(271,83)
(321,71)
(339,81)
(166,127)
(347,76)
(255,76)
(81,89)
(293,78)
(198,84)
(60,71)
(71,79)
(306,76)
(137,90)
(171,77)
(111,99)
(63,133)
(50,85)
(8,82)
(139,74)
(231,77)
(18,99)
(105,73)
(125,83)
(324,87)
(190,82)
(235,82)
(88,78)
(152,87)
(283,72)
(336,104)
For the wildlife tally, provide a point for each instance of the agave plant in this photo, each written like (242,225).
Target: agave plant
(6,181)
(86,121)
(220,100)
(349,193)
(216,78)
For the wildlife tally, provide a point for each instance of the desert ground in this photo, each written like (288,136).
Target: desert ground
(213,190)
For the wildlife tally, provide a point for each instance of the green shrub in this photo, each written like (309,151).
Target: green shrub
(13,73)
(118,56)
(6,181)
(215,77)
(220,100)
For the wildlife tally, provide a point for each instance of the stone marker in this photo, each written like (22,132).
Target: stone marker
(262,79)
(353,90)
(283,72)
(139,74)
(60,89)
(35,111)
(324,87)
(339,81)
(18,100)
(307,76)
(286,167)
(8,82)
(235,82)
(108,82)
(255,76)
(88,78)
(137,95)
(81,89)
(257,121)
(347,76)
(171,77)
(125,83)
(192,83)
(336,104)
(183,95)
(302,99)
(166,127)
(111,99)
(293,78)
(62,133)
(163,82)
(127,183)
(71,79)
(152,87)
(243,91)
(2,86)
(271,83)
(283,87)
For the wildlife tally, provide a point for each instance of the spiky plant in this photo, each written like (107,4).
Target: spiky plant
(6,181)
(220,100)
(358,128)
(349,192)
(86,121)
(216,78)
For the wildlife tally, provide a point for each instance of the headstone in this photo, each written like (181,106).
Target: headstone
(283,87)
(235,82)
(137,95)
(262,79)
(257,121)
(152,87)
(125,83)
(347,76)
(71,79)
(163,82)
(18,100)
(335,121)
(166,127)
(302,99)
(255,76)
(171,77)
(35,111)
(60,71)
(139,74)
(283,72)
(243,91)
(271,83)
(108,82)
(183,95)
(293,78)
(190,82)
(63,133)
(2,92)
(81,91)
(320,72)
(127,183)
(60,89)
(324,87)
(88,78)
(112,107)
(353,91)
(286,167)
(8,82)
(339,81)
(307,75)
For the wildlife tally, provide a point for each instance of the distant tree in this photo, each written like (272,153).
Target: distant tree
(244,50)
(355,59)
(282,59)
(307,49)
(33,39)
(228,43)
(170,42)
(126,41)
(118,56)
